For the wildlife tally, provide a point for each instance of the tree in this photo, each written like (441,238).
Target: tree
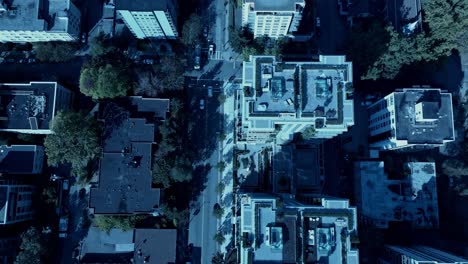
(100,45)
(161,172)
(108,222)
(54,51)
(220,188)
(33,249)
(218,211)
(445,22)
(221,98)
(75,139)
(182,170)
(308,133)
(218,258)
(105,81)
(454,168)
(240,38)
(219,238)
(179,218)
(192,30)
(221,166)
(222,137)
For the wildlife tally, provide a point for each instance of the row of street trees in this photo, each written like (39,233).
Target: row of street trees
(242,41)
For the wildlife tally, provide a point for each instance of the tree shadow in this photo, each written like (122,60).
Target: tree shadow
(198,183)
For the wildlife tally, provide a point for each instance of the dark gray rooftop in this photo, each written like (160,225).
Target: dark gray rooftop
(102,247)
(290,239)
(158,106)
(18,159)
(274,5)
(435,104)
(143,5)
(155,246)
(26,106)
(125,171)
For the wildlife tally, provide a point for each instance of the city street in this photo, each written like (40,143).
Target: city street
(332,28)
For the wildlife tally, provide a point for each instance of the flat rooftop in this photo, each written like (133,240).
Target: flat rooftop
(412,199)
(277,5)
(27,106)
(18,159)
(436,104)
(155,246)
(125,171)
(143,5)
(25,15)
(296,88)
(99,246)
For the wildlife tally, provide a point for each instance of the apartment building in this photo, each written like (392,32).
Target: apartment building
(21,159)
(411,118)
(280,99)
(30,107)
(39,21)
(392,192)
(125,176)
(418,254)
(149,18)
(15,202)
(273,230)
(272,19)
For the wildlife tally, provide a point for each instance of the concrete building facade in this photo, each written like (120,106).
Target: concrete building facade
(411,117)
(272,19)
(149,18)
(280,99)
(15,202)
(30,107)
(39,21)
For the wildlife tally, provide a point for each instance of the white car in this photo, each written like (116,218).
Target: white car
(202,104)
(211,48)
(317,22)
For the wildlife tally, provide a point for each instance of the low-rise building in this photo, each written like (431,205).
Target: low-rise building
(140,245)
(280,99)
(15,202)
(272,19)
(125,176)
(149,18)
(407,194)
(411,118)
(39,21)
(418,254)
(9,247)
(286,231)
(21,159)
(30,107)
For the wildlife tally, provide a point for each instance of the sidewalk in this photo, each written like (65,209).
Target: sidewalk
(226,177)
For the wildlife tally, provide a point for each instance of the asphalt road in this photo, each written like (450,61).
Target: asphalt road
(203,225)
(332,27)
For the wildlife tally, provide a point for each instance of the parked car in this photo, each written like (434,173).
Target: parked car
(317,22)
(65,185)
(63,226)
(84,38)
(210,91)
(211,48)
(202,104)
(197,59)
(205,32)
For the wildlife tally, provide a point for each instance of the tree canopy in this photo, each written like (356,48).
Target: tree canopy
(34,247)
(54,51)
(192,29)
(104,81)
(444,23)
(75,139)
(108,222)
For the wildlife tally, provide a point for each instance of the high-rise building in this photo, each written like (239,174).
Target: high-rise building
(149,18)
(272,18)
(30,107)
(418,255)
(273,230)
(412,117)
(15,202)
(280,99)
(38,20)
